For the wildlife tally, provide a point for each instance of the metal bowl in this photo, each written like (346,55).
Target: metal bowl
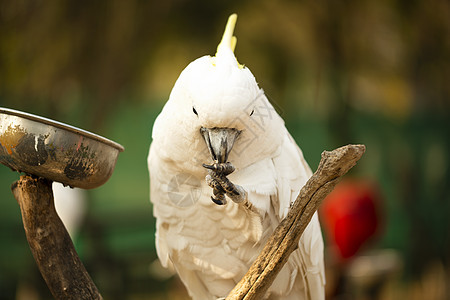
(55,151)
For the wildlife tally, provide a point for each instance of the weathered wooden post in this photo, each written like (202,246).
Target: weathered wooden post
(50,242)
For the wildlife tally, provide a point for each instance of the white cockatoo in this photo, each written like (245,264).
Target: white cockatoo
(224,171)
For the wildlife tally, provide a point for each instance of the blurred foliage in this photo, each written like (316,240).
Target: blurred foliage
(372,72)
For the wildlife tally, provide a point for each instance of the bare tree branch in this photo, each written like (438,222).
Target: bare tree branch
(285,238)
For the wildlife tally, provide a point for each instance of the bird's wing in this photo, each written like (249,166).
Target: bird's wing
(292,173)
(156,193)
(273,185)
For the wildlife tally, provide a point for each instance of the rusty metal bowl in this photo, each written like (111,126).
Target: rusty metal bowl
(56,151)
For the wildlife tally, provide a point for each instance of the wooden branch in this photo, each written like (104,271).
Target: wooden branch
(285,238)
(49,241)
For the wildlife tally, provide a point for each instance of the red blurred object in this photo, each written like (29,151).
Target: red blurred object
(349,215)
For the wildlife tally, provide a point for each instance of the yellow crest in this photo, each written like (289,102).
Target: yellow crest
(228,39)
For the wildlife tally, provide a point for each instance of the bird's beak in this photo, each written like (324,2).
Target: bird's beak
(220,141)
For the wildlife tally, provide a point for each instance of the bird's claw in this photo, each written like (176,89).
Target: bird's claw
(218,192)
(219,200)
(221,185)
(224,169)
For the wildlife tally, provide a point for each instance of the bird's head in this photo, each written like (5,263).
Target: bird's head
(218,100)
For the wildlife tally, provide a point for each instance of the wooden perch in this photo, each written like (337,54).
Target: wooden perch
(284,239)
(49,241)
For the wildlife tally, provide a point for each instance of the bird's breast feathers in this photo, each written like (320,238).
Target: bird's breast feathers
(222,241)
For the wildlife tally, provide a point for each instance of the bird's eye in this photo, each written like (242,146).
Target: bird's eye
(195,112)
(252,112)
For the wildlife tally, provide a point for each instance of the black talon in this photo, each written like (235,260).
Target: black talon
(220,168)
(218,202)
(218,196)
(211,167)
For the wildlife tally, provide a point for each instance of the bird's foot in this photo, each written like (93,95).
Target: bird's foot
(224,169)
(221,185)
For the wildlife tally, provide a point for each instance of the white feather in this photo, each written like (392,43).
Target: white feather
(70,204)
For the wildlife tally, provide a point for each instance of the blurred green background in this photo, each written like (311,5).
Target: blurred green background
(339,72)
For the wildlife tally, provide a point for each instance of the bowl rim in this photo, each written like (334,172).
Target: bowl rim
(60,125)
